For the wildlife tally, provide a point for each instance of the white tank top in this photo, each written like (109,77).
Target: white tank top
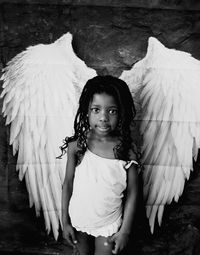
(96,203)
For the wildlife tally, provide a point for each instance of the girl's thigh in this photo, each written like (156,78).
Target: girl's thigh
(85,245)
(102,246)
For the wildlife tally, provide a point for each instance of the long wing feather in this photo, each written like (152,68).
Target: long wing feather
(40,93)
(168,83)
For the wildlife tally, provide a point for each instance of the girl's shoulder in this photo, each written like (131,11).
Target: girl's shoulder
(132,160)
(72,147)
(132,155)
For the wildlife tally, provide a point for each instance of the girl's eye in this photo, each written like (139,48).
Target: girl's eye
(95,110)
(113,111)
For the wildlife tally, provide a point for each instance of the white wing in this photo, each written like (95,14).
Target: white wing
(168,84)
(41,90)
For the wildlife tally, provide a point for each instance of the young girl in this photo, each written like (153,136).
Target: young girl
(101,181)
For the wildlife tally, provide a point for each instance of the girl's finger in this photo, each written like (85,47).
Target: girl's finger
(116,248)
(73,237)
(115,251)
(69,240)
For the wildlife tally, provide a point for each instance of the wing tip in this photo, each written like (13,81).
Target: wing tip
(154,43)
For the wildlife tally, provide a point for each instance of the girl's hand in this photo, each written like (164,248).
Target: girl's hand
(69,235)
(120,241)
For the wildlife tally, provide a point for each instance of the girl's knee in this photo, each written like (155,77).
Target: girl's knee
(102,246)
(84,245)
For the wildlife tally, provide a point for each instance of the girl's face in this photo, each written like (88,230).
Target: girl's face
(103,114)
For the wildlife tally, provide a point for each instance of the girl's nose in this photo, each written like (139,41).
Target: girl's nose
(104,116)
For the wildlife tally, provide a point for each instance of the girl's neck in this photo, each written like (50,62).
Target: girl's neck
(102,146)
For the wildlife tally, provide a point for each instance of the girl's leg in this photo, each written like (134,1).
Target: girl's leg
(85,244)
(102,246)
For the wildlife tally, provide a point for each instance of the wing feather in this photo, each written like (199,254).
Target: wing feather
(41,87)
(167,82)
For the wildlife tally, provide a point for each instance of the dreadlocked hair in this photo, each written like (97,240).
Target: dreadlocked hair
(119,90)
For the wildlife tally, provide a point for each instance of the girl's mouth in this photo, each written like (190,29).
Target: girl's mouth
(103,128)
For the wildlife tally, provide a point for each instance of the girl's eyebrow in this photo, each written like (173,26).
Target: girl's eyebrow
(95,105)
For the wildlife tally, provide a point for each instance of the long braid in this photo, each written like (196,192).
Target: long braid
(81,128)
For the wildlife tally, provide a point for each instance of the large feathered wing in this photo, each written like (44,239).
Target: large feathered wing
(41,87)
(167,82)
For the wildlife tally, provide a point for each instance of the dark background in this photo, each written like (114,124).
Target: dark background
(110,36)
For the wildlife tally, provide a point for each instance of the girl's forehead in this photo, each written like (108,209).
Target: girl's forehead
(103,98)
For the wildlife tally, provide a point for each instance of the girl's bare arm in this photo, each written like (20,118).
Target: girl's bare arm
(131,200)
(121,238)
(68,233)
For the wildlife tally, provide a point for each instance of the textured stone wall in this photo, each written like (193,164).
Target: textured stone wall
(109,37)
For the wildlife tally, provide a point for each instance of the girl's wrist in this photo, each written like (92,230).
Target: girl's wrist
(125,231)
